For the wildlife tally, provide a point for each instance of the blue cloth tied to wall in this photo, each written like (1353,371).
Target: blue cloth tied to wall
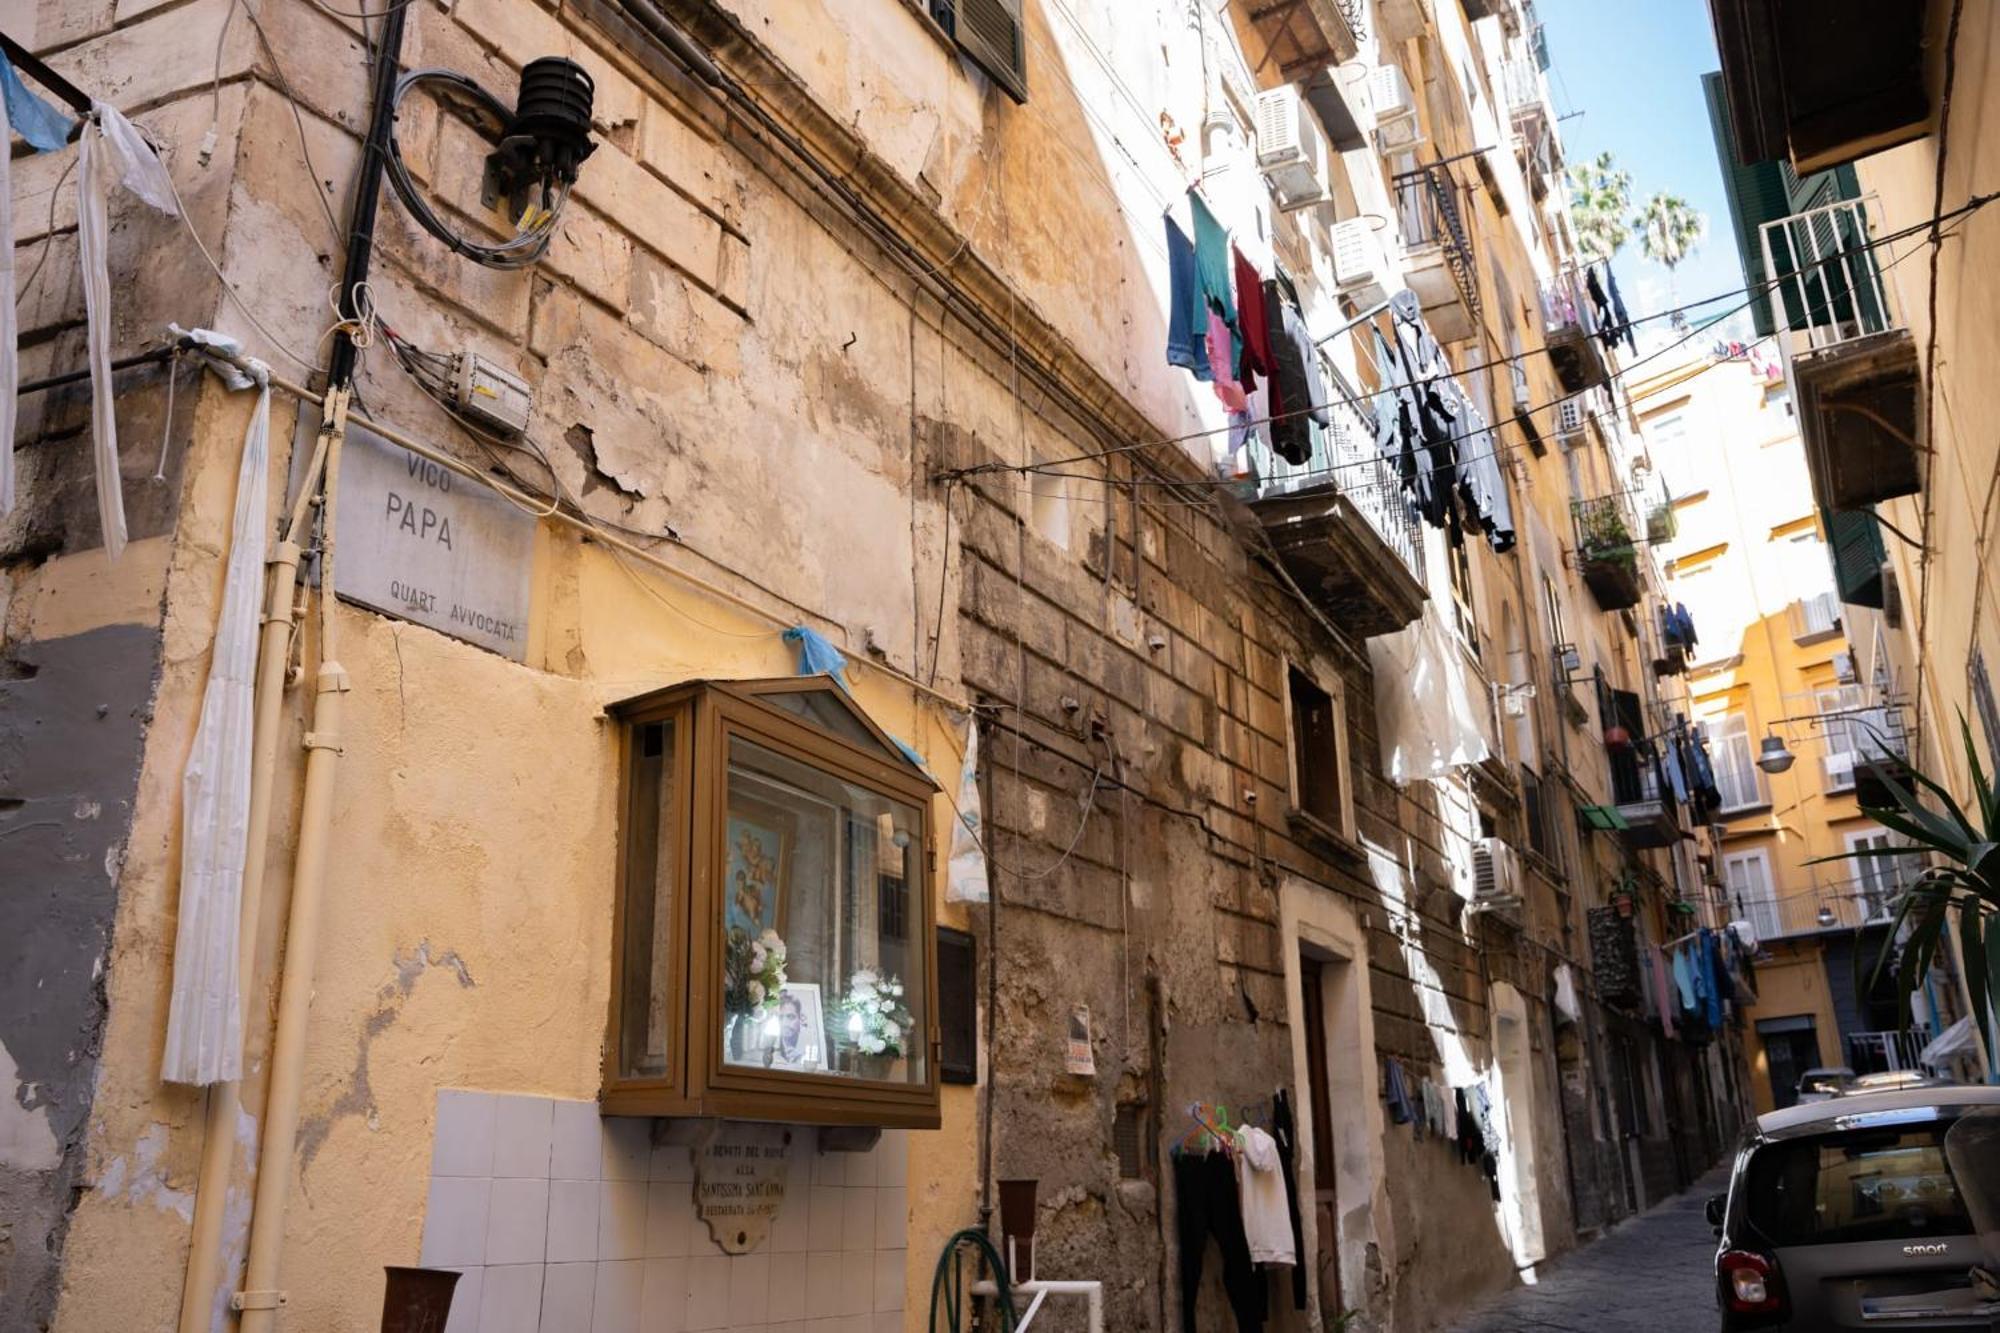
(45,128)
(818,657)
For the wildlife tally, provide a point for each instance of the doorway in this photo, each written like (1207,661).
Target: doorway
(1325,1177)
(1791,1047)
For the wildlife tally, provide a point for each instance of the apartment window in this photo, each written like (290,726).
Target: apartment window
(1748,877)
(1460,559)
(1319,779)
(991,34)
(1878,880)
(1737,776)
(772,950)
(1048,508)
(1668,428)
(1319,753)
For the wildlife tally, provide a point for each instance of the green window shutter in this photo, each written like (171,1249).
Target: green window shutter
(992,33)
(1854,538)
(1757,194)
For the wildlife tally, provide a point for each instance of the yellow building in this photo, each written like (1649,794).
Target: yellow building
(1749,562)
(1861,215)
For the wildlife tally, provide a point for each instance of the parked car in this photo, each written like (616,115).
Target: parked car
(1816,1085)
(1853,1213)
(1894,1079)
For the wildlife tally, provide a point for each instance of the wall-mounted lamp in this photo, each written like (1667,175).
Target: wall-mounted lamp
(1774,757)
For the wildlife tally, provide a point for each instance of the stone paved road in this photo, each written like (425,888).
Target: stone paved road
(1654,1274)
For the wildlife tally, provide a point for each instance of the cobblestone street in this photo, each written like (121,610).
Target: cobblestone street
(1652,1275)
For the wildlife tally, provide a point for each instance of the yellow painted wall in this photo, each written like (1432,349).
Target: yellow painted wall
(1791,981)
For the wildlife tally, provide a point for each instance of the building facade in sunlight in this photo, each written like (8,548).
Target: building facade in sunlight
(1862,222)
(848,622)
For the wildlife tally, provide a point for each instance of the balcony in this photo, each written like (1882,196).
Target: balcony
(1301,37)
(1844,906)
(1570,331)
(1647,808)
(1821,82)
(1853,363)
(1606,553)
(1342,525)
(1815,618)
(1404,20)
(1438,248)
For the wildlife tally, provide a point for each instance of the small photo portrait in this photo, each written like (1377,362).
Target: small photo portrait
(799,1038)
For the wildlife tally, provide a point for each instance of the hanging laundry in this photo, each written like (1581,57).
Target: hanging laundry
(1607,328)
(965,864)
(1206,1205)
(1220,356)
(1684,981)
(1300,396)
(1260,1188)
(1187,313)
(1211,262)
(1567,1008)
(1285,1131)
(46,130)
(1622,323)
(111,151)
(1397,1093)
(1256,365)
(1663,986)
(205,1012)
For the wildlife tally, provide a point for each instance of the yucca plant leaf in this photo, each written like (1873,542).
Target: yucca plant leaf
(1972,946)
(1906,797)
(1989,809)
(1928,830)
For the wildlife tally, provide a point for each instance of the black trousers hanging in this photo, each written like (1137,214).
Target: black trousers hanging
(1205,1190)
(1283,1130)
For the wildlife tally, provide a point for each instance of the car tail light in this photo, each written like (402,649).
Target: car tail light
(1751,1281)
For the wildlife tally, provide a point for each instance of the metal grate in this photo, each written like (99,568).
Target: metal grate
(1128,1141)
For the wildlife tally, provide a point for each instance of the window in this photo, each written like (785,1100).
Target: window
(1892,1183)
(773,954)
(1048,508)
(1667,428)
(1748,876)
(1737,776)
(991,33)
(1458,555)
(1878,880)
(1319,753)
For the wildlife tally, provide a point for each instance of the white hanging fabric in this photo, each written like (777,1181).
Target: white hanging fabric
(205,1017)
(1425,712)
(965,869)
(110,151)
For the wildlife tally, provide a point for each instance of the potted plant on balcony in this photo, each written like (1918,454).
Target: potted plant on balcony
(1607,556)
(1959,888)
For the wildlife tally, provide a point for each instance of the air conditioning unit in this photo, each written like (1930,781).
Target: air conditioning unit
(1291,149)
(1496,871)
(1843,668)
(1396,123)
(1360,264)
(1839,771)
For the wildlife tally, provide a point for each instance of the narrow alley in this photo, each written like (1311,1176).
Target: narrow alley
(1652,1274)
(1211,666)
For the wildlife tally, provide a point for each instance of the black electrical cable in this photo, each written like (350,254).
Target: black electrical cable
(525,249)
(367,200)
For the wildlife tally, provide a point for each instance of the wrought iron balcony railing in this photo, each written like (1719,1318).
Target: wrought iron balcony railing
(1344,459)
(1848,905)
(1428,207)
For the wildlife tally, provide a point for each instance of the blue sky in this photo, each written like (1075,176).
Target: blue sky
(1633,69)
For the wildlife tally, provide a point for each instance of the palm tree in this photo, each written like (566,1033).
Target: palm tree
(1599,194)
(1669,230)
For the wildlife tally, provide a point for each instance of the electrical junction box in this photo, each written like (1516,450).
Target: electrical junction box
(492,396)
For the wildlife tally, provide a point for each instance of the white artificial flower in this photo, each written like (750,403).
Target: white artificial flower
(756,992)
(756,958)
(770,940)
(890,1032)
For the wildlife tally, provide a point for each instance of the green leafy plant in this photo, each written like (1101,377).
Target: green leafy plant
(1605,536)
(1959,889)
(872,1016)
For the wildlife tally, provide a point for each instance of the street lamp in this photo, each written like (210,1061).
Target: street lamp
(1774,757)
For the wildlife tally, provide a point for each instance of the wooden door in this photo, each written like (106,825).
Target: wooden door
(1325,1199)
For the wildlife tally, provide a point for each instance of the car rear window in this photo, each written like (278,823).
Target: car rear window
(1858,1185)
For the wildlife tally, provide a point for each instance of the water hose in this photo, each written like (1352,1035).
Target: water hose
(949,1281)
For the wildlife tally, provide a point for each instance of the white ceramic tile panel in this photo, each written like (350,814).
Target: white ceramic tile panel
(615,1309)
(463,1142)
(521,1128)
(517,1222)
(565,1223)
(455,1222)
(573,1220)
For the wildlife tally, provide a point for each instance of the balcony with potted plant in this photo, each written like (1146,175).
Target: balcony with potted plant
(1606,552)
